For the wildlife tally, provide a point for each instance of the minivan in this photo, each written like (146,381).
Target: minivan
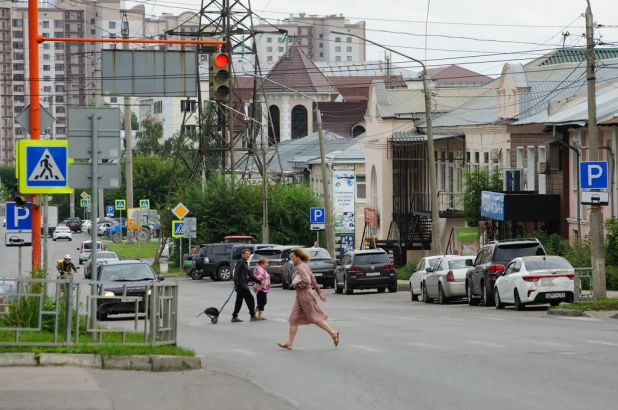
(86,248)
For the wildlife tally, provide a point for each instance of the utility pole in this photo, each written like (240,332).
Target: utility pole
(597,242)
(330,230)
(128,137)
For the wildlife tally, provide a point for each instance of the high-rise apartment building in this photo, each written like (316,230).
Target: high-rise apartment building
(313,34)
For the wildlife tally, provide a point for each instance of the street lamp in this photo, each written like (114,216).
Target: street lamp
(330,233)
(436,242)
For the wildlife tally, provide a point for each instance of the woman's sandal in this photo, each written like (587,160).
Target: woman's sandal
(336,338)
(284,346)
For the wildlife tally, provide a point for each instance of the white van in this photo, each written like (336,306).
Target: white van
(86,248)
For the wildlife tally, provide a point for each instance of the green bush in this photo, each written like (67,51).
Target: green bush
(611,277)
(403,273)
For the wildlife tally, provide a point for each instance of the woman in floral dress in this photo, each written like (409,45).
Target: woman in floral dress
(306,310)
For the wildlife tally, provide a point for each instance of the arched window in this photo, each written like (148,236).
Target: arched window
(299,122)
(275,117)
(358,130)
(374,186)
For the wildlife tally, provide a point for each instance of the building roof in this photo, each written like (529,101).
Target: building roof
(354,153)
(299,73)
(456,75)
(574,55)
(413,136)
(340,117)
(357,88)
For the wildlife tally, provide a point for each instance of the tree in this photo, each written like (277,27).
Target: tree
(476,180)
(149,137)
(134,122)
(8,180)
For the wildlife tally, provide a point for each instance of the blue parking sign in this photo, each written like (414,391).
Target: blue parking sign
(594,174)
(317,216)
(18,218)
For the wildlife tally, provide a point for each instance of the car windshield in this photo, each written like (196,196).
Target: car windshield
(432,262)
(546,264)
(318,254)
(458,264)
(126,273)
(88,246)
(62,228)
(371,258)
(507,253)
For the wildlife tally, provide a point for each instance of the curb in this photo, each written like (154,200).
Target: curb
(565,312)
(405,288)
(96,361)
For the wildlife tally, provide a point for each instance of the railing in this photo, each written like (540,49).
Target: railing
(447,201)
(63,309)
(579,293)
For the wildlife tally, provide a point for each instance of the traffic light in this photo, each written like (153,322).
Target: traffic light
(219,77)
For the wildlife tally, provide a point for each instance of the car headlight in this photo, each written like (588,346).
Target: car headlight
(108,294)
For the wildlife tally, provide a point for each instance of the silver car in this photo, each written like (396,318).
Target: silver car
(102,257)
(418,274)
(447,279)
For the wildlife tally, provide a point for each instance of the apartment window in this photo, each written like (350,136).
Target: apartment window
(18,44)
(269,49)
(19,131)
(61,120)
(269,58)
(93,31)
(321,35)
(280,49)
(61,130)
(59,57)
(158,107)
(47,78)
(269,39)
(18,88)
(46,35)
(337,39)
(79,15)
(92,21)
(321,54)
(59,67)
(112,24)
(59,77)
(19,98)
(46,46)
(46,68)
(349,39)
(348,49)
(60,46)
(60,88)
(18,23)
(188,106)
(321,45)
(190,129)
(60,110)
(58,23)
(60,98)
(349,58)
(18,67)
(58,34)
(18,77)
(18,34)
(112,35)
(45,24)
(17,110)
(337,58)
(113,99)
(46,57)
(337,49)
(361,187)
(18,56)
(47,89)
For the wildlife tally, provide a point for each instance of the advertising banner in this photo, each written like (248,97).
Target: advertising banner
(468,241)
(492,205)
(344,193)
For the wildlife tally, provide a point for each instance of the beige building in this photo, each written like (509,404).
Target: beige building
(313,34)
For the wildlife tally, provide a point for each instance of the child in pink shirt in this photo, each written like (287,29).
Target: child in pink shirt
(261,289)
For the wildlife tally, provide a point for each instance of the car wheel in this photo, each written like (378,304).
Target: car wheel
(70,239)
(54,239)
(196,274)
(101,316)
(556,303)
(413,297)
(346,287)
(426,299)
(488,300)
(471,300)
(285,285)
(116,238)
(224,273)
(392,289)
(518,304)
(381,290)
(499,304)
(338,288)
(441,298)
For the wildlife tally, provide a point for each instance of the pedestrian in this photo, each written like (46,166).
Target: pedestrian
(262,289)
(241,275)
(305,310)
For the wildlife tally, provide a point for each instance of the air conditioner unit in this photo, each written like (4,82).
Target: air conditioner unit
(513,180)
(542,167)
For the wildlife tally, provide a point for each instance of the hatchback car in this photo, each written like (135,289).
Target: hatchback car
(321,264)
(86,248)
(446,280)
(123,272)
(102,258)
(62,232)
(535,280)
(74,224)
(366,269)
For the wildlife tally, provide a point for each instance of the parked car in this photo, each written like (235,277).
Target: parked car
(86,248)
(103,227)
(62,232)
(277,257)
(213,260)
(418,274)
(123,271)
(75,224)
(365,269)
(446,280)
(321,264)
(238,239)
(535,280)
(102,257)
(86,224)
(493,258)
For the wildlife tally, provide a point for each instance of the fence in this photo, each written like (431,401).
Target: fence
(63,309)
(579,292)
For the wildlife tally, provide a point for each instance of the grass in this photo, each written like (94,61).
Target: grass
(602,304)
(112,346)
(172,270)
(403,273)
(126,250)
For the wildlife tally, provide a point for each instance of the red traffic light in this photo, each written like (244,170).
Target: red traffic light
(221,61)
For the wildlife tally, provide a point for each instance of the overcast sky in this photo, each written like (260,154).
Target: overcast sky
(523,29)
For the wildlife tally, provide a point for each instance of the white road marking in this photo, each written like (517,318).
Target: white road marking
(407,318)
(494,318)
(303,350)
(245,352)
(488,344)
(585,319)
(452,319)
(549,343)
(426,346)
(278,320)
(598,342)
(367,348)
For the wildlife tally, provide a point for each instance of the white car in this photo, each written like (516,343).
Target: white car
(446,280)
(419,274)
(62,232)
(535,280)
(86,224)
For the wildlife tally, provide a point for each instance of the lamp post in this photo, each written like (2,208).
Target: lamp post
(330,233)
(436,241)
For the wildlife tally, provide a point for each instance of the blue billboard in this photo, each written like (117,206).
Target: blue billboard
(492,205)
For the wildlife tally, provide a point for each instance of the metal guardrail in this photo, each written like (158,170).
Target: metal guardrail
(579,293)
(71,311)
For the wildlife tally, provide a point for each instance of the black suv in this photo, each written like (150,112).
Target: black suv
(492,258)
(74,224)
(213,260)
(366,269)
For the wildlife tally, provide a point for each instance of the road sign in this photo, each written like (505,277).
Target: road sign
(144,203)
(45,120)
(594,174)
(178,229)
(180,210)
(134,219)
(88,198)
(317,216)
(21,238)
(109,210)
(79,132)
(18,218)
(84,203)
(43,167)
(190,228)
(318,227)
(84,194)
(121,204)
(595,198)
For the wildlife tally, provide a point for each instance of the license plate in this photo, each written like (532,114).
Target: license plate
(317,274)
(373,274)
(554,295)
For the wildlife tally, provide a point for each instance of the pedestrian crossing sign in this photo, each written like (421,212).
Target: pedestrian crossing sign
(144,204)
(121,204)
(43,167)
(84,203)
(178,229)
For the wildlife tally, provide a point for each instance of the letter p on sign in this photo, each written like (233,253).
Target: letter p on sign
(594,175)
